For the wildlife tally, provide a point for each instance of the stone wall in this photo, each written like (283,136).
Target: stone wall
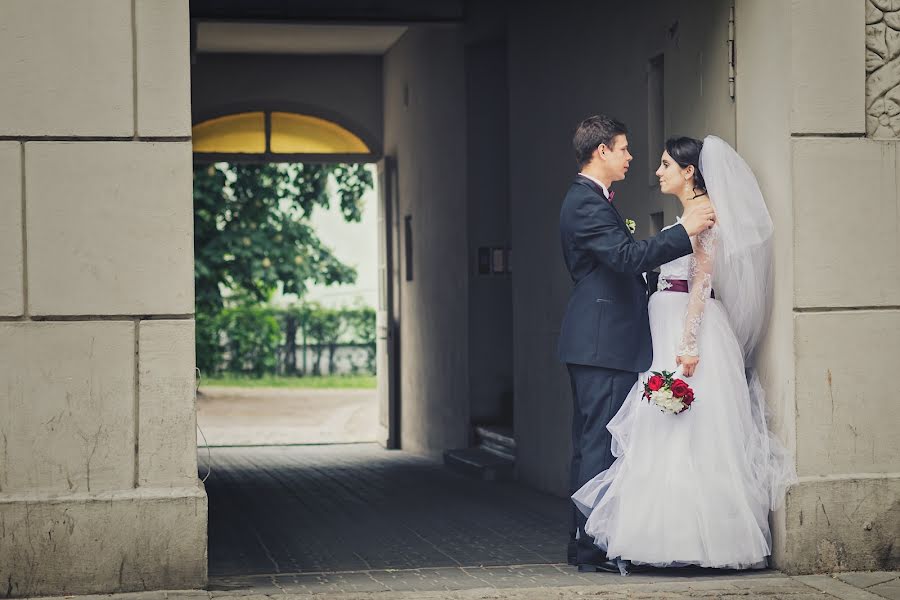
(425,125)
(98,474)
(833,194)
(882,72)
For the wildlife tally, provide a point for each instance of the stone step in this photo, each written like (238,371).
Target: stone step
(498,435)
(479,463)
(500,450)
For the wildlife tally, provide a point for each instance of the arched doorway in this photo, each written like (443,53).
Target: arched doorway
(280,136)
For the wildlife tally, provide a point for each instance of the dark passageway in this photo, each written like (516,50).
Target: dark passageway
(339,508)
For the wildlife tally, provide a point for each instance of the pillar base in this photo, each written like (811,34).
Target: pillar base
(842,523)
(142,539)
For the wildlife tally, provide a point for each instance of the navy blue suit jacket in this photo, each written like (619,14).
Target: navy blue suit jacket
(606,322)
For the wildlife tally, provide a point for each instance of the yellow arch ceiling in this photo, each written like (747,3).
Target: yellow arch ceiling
(291,133)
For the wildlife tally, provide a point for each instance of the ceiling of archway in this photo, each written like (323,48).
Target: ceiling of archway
(295,38)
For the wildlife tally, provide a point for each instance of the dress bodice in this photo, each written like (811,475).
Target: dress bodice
(680,268)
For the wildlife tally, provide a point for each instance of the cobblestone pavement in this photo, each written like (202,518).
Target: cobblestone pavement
(354,522)
(560,582)
(312,509)
(541,582)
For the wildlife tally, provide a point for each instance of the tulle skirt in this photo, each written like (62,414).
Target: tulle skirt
(694,488)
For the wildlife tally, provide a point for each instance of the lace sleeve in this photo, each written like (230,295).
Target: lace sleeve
(702,262)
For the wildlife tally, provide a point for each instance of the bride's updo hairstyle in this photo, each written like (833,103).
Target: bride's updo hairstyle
(686,151)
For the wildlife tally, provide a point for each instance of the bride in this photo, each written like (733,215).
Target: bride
(695,488)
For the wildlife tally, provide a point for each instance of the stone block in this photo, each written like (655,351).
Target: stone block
(842,524)
(110,228)
(12,302)
(846,218)
(835,588)
(888,589)
(828,62)
(66,406)
(163,67)
(868,579)
(846,423)
(144,539)
(167,439)
(66,68)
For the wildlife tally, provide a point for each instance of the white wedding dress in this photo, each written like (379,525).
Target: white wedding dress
(693,488)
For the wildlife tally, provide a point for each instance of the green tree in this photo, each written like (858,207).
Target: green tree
(252,232)
(208,342)
(324,326)
(253,336)
(361,326)
(252,235)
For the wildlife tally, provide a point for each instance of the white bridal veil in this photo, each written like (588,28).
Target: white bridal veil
(743,283)
(743,273)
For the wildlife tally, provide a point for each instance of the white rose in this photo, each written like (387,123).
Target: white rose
(661,397)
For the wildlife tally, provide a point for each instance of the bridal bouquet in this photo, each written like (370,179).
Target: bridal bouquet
(670,394)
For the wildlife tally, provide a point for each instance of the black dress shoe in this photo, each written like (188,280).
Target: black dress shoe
(607,566)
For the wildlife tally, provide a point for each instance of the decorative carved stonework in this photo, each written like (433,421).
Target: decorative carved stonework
(883,68)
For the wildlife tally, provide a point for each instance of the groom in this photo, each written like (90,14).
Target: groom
(605,335)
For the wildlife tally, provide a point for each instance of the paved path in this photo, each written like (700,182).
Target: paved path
(356,522)
(356,507)
(269,416)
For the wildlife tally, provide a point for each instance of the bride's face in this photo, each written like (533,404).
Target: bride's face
(672,178)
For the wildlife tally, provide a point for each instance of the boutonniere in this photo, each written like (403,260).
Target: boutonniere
(631,225)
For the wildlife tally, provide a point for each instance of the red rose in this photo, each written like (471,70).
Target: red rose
(655,383)
(679,388)
(688,398)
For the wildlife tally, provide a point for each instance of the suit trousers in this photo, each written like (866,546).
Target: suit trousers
(598,394)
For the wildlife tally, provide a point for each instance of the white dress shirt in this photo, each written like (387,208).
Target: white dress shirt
(598,182)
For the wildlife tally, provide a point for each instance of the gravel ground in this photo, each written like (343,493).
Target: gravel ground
(268,416)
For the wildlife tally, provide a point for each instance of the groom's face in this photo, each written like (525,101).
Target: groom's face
(617,158)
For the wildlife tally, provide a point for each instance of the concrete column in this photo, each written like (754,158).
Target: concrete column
(98,473)
(425,130)
(833,338)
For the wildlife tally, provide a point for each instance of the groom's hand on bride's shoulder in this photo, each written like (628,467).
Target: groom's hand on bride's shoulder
(699,217)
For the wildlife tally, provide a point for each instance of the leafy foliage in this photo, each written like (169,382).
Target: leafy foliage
(361,321)
(252,232)
(251,236)
(253,336)
(260,340)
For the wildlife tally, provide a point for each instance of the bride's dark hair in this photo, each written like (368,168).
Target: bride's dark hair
(686,151)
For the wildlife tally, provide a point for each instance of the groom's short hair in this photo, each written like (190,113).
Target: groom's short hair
(592,132)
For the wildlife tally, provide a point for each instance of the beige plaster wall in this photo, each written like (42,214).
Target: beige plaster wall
(98,474)
(424,124)
(762,31)
(833,196)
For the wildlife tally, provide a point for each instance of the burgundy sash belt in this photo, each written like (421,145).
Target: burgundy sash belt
(681,285)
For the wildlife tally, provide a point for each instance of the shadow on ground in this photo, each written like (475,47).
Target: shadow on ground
(298,509)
